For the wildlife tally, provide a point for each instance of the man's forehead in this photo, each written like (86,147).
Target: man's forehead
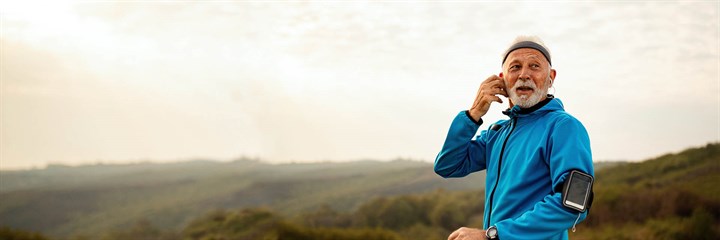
(525,53)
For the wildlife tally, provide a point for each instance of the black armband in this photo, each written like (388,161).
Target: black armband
(577,193)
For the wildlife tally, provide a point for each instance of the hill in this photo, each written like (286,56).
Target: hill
(674,196)
(64,201)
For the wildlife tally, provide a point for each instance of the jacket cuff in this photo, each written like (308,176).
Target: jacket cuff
(467,113)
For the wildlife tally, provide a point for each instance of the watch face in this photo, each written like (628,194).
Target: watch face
(491,233)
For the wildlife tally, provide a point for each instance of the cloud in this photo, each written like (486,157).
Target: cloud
(316,81)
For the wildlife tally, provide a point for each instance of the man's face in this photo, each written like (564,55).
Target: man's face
(527,76)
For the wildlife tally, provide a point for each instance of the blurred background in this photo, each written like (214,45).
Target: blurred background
(154,114)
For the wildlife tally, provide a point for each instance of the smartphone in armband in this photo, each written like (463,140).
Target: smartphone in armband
(576,190)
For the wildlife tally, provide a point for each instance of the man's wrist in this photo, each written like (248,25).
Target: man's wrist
(478,122)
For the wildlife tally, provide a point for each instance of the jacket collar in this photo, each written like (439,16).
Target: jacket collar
(549,104)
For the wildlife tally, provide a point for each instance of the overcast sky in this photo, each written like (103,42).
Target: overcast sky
(113,82)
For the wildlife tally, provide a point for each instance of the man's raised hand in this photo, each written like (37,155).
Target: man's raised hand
(487,93)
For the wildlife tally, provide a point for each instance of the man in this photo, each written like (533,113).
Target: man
(528,157)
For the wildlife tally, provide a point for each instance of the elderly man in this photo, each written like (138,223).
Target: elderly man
(529,157)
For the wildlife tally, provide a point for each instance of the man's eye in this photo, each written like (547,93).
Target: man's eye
(514,66)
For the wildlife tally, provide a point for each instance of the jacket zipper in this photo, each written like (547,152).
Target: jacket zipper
(502,151)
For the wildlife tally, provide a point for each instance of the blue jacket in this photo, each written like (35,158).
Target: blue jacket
(526,157)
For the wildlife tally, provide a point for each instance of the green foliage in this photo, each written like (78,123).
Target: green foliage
(455,210)
(446,210)
(400,217)
(395,213)
(693,166)
(142,230)
(700,225)
(254,224)
(14,234)
(327,217)
(423,232)
(292,232)
(640,205)
(668,186)
(244,224)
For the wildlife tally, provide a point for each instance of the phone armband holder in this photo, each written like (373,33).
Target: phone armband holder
(577,191)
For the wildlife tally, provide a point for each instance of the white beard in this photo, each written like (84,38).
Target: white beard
(526,101)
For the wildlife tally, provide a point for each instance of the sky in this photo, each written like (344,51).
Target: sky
(127,81)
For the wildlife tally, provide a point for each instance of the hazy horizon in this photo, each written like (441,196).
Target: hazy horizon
(115,82)
(265,161)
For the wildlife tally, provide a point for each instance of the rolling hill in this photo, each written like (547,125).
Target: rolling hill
(674,196)
(65,201)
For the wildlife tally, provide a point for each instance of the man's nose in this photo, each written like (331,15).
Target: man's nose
(524,75)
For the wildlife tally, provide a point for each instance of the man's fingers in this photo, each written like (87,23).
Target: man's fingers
(491,94)
(494,98)
(494,91)
(492,82)
(484,101)
(454,235)
(498,83)
(467,233)
(491,78)
(501,90)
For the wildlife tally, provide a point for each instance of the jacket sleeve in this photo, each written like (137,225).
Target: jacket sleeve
(461,154)
(568,148)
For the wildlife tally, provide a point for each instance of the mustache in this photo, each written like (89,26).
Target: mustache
(529,84)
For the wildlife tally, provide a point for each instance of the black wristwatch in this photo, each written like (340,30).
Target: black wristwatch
(492,233)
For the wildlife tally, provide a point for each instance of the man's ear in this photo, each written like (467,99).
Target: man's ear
(553,73)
